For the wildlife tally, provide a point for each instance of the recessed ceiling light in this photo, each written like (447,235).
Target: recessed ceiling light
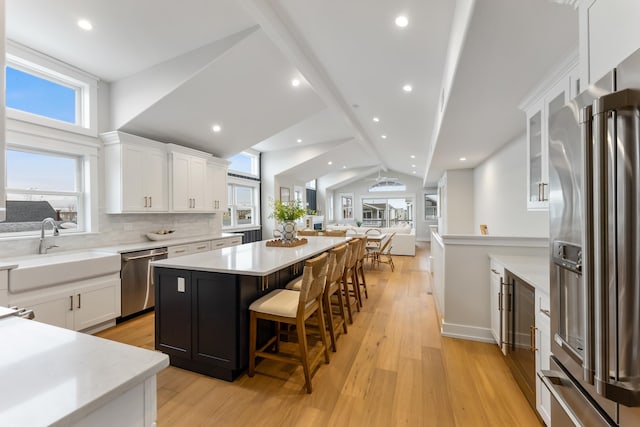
(414,171)
(413,156)
(462,159)
(402,21)
(383,136)
(298,140)
(295,82)
(407,88)
(344,167)
(216,128)
(329,162)
(413,166)
(376,119)
(85,25)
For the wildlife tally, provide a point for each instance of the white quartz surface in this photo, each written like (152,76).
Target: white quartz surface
(532,269)
(164,243)
(252,259)
(54,375)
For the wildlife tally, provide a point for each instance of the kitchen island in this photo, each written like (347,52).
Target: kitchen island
(202,301)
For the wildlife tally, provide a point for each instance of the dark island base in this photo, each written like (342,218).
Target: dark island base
(209,370)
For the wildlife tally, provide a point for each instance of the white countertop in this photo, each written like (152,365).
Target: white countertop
(54,375)
(252,259)
(532,269)
(151,244)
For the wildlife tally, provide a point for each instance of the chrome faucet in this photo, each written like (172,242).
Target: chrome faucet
(43,247)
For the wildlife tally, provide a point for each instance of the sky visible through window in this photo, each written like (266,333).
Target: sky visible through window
(241,163)
(31,171)
(43,97)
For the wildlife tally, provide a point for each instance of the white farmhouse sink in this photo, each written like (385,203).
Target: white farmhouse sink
(40,271)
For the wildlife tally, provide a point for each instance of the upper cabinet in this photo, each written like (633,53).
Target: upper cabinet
(549,97)
(216,197)
(609,32)
(136,178)
(143,176)
(189,182)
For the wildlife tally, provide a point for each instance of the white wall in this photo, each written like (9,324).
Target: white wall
(457,211)
(361,189)
(500,195)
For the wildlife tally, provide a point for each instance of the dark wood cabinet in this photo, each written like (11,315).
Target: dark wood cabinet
(205,327)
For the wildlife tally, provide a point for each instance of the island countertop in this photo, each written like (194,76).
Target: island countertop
(251,259)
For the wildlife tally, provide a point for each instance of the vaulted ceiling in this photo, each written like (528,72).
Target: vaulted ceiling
(177,68)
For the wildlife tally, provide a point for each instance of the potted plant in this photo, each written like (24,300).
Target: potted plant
(287,213)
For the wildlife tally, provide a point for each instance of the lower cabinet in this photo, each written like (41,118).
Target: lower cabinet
(77,306)
(202,318)
(543,351)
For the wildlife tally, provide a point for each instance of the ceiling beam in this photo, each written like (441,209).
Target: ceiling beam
(284,34)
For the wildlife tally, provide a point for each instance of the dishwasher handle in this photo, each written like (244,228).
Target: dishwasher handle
(133,258)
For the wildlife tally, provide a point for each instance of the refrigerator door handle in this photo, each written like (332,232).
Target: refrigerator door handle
(587,242)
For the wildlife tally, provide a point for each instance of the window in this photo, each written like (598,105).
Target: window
(311,184)
(388,212)
(431,206)
(47,92)
(346,206)
(242,200)
(42,185)
(245,163)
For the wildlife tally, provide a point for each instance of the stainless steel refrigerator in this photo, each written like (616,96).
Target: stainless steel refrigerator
(594,213)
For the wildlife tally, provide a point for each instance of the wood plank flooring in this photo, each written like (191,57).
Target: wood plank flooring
(392,369)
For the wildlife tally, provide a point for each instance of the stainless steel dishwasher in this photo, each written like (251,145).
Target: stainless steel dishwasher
(138,292)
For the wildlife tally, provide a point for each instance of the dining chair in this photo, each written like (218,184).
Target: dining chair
(384,254)
(349,278)
(335,233)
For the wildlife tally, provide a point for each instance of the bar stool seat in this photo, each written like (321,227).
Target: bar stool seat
(280,302)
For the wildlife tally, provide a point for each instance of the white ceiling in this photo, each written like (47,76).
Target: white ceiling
(352,58)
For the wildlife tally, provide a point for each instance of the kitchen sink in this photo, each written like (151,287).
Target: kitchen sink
(40,271)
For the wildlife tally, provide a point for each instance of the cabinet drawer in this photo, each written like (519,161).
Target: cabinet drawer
(175,251)
(200,247)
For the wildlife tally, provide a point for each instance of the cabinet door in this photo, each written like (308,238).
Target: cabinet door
(181,199)
(198,183)
(536,159)
(215,320)
(155,175)
(216,186)
(496,272)
(173,311)
(56,309)
(97,303)
(133,179)
(543,351)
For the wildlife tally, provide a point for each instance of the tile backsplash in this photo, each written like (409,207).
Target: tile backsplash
(119,229)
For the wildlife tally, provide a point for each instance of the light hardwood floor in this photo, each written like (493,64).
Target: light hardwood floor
(392,368)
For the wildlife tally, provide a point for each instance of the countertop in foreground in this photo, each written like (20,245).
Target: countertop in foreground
(52,375)
(532,269)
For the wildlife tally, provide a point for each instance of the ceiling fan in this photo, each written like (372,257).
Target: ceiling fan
(381,178)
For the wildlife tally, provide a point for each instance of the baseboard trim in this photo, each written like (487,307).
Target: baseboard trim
(467,332)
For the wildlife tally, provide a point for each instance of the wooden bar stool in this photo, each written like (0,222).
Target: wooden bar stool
(349,278)
(307,232)
(335,233)
(293,308)
(362,280)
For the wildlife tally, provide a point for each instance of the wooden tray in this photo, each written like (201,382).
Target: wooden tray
(278,243)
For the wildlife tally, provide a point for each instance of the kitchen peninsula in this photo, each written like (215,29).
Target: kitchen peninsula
(202,301)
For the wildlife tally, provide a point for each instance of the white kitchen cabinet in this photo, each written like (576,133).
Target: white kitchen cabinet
(496,273)
(77,306)
(543,351)
(191,248)
(226,242)
(136,178)
(188,183)
(609,32)
(216,197)
(541,104)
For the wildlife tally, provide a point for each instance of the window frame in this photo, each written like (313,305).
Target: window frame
(391,195)
(255,164)
(433,218)
(233,182)
(27,137)
(342,216)
(86,86)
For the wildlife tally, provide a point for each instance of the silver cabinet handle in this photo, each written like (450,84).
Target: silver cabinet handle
(499,301)
(133,258)
(150,202)
(201,247)
(494,271)
(146,202)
